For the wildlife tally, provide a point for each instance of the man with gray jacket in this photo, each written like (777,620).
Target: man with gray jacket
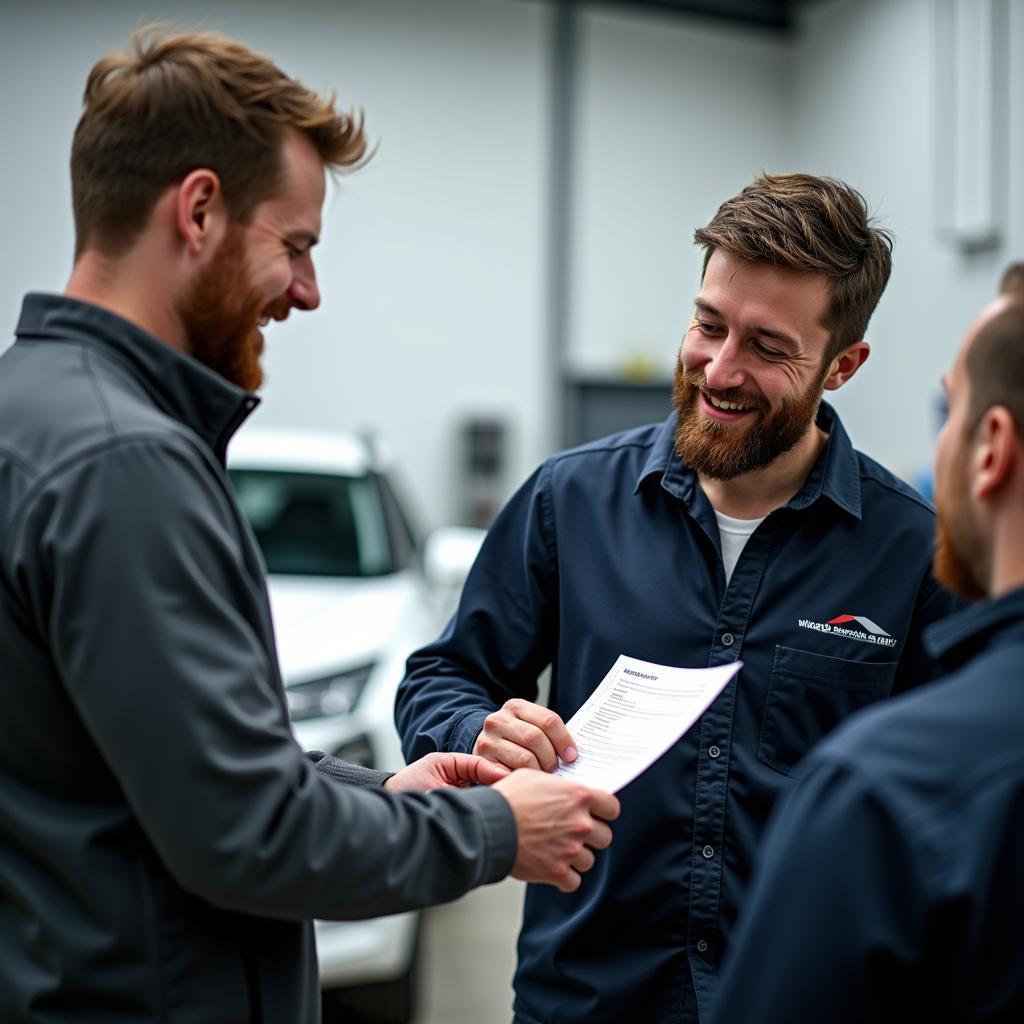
(164,842)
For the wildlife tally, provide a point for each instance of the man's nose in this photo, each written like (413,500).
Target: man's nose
(303,291)
(725,369)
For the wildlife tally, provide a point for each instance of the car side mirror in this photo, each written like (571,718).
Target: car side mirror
(448,555)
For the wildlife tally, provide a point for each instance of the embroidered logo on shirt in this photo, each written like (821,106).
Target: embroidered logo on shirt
(853,627)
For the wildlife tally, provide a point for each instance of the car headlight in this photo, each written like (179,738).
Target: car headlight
(336,694)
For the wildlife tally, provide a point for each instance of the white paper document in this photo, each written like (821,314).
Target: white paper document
(637,712)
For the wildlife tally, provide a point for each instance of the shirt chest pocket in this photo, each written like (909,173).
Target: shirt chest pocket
(808,696)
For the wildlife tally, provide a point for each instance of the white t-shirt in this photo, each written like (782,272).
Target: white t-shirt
(734,534)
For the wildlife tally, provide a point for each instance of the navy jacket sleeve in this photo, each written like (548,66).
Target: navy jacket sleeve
(834,914)
(499,640)
(132,569)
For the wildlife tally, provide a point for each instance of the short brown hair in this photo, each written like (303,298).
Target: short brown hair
(995,359)
(809,223)
(179,102)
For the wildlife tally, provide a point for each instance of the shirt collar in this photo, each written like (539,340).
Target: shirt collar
(835,474)
(180,386)
(960,636)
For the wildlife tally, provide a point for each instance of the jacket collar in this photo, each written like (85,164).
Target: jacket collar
(958,638)
(180,386)
(835,474)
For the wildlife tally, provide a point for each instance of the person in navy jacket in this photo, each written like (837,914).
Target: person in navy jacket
(747,527)
(890,886)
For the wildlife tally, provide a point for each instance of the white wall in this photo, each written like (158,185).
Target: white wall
(675,116)
(862,101)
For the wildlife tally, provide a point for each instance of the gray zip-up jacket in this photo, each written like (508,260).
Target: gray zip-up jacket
(164,842)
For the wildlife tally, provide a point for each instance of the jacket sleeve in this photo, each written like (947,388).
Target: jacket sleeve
(133,569)
(835,920)
(344,771)
(500,638)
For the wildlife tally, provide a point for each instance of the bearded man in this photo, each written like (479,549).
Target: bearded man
(747,527)
(889,887)
(164,842)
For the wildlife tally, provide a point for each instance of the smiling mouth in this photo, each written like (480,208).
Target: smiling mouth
(277,310)
(267,317)
(725,406)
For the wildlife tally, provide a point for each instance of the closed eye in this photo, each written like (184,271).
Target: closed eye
(767,351)
(298,243)
(707,327)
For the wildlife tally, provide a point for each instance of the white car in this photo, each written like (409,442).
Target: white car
(352,596)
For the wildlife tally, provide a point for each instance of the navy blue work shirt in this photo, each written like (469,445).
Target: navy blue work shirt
(613,548)
(890,885)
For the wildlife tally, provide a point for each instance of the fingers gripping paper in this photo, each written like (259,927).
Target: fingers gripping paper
(636,713)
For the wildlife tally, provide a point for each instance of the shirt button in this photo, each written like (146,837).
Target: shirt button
(709,852)
(702,946)
(713,751)
(727,639)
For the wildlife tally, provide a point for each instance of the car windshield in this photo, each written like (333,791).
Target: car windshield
(315,524)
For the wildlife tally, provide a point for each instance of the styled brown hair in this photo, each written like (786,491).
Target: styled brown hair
(179,102)
(995,359)
(809,223)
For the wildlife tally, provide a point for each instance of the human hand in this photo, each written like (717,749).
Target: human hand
(525,735)
(439,769)
(560,823)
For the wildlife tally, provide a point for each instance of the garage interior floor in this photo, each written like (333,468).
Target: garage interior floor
(469,956)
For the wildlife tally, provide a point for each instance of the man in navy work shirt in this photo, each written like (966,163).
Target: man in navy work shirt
(744,527)
(890,885)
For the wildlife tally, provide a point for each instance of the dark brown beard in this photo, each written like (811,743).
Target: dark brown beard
(221,314)
(711,449)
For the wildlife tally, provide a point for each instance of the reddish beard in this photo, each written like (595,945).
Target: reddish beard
(723,451)
(951,570)
(957,552)
(221,314)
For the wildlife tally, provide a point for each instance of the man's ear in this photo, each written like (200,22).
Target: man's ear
(996,453)
(846,364)
(199,209)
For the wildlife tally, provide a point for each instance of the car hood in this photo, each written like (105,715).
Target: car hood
(325,624)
